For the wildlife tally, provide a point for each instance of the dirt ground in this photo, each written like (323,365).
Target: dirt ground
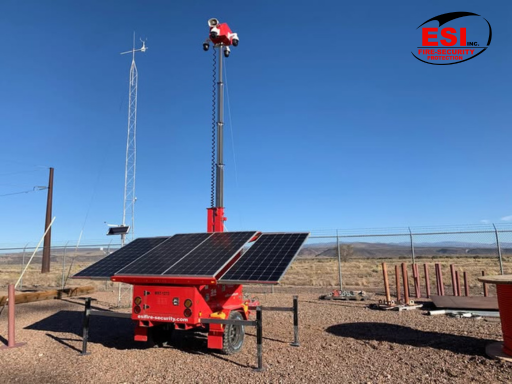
(341,342)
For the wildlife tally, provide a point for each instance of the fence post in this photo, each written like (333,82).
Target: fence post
(64,265)
(295,322)
(499,248)
(339,259)
(23,264)
(412,247)
(85,328)
(259,338)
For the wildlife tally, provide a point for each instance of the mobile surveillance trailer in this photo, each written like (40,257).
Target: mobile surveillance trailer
(181,281)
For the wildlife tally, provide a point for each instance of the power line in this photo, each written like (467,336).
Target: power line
(35,189)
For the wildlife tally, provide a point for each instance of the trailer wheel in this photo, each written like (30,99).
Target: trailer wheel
(234,334)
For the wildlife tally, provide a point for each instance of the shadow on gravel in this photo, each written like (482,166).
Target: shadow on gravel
(118,333)
(398,334)
(110,332)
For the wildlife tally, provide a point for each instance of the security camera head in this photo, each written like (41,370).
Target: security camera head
(206,46)
(213,23)
(214,32)
(227,51)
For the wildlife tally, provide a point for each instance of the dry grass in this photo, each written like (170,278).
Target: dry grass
(367,273)
(357,273)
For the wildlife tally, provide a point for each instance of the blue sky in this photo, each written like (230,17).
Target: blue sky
(335,124)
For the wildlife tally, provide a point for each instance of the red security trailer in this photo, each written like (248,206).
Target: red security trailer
(180,280)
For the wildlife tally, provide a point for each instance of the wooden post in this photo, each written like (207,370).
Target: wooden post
(45,267)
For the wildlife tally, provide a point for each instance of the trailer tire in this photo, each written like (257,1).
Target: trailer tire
(233,338)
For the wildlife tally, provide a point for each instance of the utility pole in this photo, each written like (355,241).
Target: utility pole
(45,268)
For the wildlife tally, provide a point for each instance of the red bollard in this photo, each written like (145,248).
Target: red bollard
(11,341)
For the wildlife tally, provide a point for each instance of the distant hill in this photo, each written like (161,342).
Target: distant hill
(392,250)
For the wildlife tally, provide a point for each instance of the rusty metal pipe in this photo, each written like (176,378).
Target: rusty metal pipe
(441,284)
(406,283)
(397,282)
(486,288)
(457,281)
(11,330)
(427,281)
(11,342)
(438,286)
(466,285)
(386,283)
(454,286)
(417,285)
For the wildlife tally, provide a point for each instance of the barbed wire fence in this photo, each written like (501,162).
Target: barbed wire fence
(343,258)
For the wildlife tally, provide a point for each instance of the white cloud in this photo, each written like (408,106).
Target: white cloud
(485,221)
(507,218)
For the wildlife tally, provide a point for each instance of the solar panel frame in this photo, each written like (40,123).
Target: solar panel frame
(107,266)
(154,257)
(203,254)
(248,259)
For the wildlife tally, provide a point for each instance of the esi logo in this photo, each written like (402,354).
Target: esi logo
(452,38)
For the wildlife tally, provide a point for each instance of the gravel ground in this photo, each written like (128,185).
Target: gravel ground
(341,342)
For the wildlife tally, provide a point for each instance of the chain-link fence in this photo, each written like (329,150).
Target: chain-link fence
(351,259)
(330,258)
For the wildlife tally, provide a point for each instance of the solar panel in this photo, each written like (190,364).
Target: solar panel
(212,255)
(267,260)
(108,266)
(160,259)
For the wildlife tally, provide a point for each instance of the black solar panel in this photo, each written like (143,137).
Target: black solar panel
(108,266)
(212,255)
(160,259)
(267,260)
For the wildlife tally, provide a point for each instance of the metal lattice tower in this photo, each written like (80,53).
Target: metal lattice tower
(131,146)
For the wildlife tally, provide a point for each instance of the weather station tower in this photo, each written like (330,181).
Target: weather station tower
(128,223)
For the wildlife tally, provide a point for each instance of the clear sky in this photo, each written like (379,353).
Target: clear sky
(335,124)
